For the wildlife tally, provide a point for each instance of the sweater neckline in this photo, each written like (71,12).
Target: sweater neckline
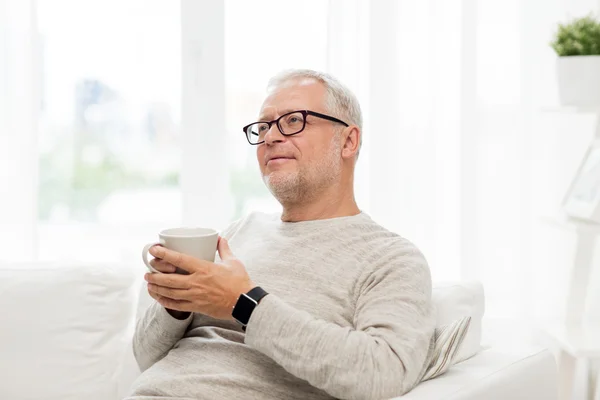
(336,221)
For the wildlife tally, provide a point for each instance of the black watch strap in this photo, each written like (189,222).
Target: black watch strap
(257,293)
(246,304)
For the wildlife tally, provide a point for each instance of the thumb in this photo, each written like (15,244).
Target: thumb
(224,251)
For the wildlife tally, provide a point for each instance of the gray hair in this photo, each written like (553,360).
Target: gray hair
(340,102)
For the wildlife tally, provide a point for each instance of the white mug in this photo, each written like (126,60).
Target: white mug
(196,242)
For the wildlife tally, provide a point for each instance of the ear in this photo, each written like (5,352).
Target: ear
(351,138)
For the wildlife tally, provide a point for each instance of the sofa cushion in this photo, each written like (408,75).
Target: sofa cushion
(446,346)
(65,328)
(455,300)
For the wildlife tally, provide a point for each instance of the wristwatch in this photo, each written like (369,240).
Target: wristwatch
(246,304)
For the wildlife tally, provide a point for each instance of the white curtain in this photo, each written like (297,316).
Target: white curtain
(19,105)
(460,155)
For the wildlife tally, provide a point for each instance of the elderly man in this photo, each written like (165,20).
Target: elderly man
(317,302)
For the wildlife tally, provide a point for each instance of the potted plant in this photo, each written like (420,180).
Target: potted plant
(577,44)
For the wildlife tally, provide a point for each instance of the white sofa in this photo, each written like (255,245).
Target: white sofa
(67,327)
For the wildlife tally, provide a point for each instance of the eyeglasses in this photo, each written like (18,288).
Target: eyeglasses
(288,124)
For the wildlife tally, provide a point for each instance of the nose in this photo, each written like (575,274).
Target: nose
(273,135)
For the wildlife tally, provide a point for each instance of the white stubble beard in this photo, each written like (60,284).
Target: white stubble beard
(297,186)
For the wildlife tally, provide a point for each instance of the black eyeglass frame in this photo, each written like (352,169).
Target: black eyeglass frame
(304,113)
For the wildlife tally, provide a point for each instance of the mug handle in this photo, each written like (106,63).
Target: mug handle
(145,256)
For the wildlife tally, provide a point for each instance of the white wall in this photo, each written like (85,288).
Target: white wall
(527,152)
(467,156)
(559,139)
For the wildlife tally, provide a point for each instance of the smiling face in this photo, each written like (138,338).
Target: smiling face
(297,167)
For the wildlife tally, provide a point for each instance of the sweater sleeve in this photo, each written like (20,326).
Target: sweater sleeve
(155,334)
(381,356)
(157,331)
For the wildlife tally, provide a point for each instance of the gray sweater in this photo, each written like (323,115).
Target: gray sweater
(349,316)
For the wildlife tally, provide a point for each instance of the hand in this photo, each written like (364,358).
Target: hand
(166,268)
(211,289)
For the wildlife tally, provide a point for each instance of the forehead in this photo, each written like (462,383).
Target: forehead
(296,94)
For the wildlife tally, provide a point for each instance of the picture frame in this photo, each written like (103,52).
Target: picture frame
(583,197)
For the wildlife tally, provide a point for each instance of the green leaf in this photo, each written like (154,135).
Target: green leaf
(579,37)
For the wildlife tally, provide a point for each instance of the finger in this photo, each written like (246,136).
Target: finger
(153,295)
(224,251)
(178,305)
(162,266)
(174,281)
(176,294)
(175,258)
(170,303)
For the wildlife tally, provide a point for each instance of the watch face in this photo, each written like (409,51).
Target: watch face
(243,309)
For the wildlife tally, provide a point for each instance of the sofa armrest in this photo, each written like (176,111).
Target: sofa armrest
(495,374)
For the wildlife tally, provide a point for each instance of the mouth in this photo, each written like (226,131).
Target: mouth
(278,160)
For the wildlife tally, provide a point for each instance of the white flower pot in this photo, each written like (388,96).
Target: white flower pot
(579,81)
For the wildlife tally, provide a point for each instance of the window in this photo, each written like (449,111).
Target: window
(110,138)
(109,146)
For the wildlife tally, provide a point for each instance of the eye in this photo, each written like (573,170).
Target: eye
(293,119)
